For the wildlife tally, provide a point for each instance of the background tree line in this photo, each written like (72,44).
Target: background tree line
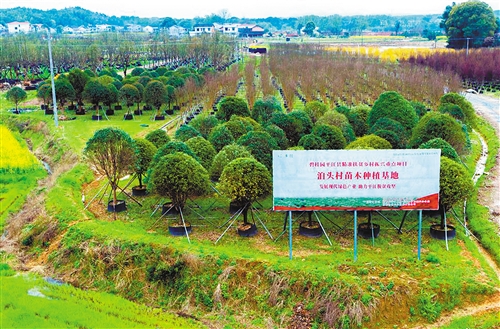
(333,24)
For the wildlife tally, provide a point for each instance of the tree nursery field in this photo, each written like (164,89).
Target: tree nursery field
(92,205)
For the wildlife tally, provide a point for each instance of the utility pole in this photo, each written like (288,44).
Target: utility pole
(467,51)
(54,102)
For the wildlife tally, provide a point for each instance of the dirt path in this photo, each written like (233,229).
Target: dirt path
(489,195)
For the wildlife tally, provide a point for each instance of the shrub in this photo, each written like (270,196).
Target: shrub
(186,132)
(315,109)
(158,137)
(278,135)
(204,124)
(452,109)
(463,103)
(358,117)
(438,125)
(391,137)
(237,127)
(311,142)
(446,149)
(261,145)
(392,125)
(203,150)
(226,155)
(391,104)
(337,119)
(369,142)
(220,136)
(420,108)
(232,105)
(174,147)
(331,136)
(455,185)
(263,109)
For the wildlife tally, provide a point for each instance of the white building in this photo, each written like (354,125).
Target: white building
(19,27)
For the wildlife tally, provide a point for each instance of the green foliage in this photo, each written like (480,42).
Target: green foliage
(130,95)
(263,109)
(158,137)
(464,104)
(295,125)
(203,150)
(438,125)
(204,124)
(261,145)
(311,142)
(332,136)
(454,110)
(64,91)
(392,105)
(155,94)
(337,119)
(220,136)
(474,20)
(392,125)
(112,152)
(420,108)
(237,127)
(232,105)
(446,149)
(94,92)
(391,137)
(358,117)
(226,155)
(178,176)
(245,180)
(369,142)
(78,80)
(186,132)
(173,147)
(315,109)
(428,307)
(16,95)
(455,184)
(278,135)
(137,71)
(145,151)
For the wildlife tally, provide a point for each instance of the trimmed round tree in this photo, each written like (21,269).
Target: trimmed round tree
(452,109)
(446,149)
(232,105)
(332,136)
(311,142)
(455,185)
(392,105)
(203,150)
(261,145)
(16,95)
(186,132)
(158,137)
(391,137)
(369,142)
(315,109)
(245,180)
(226,155)
(358,117)
(129,94)
(112,152)
(463,103)
(337,119)
(95,92)
(64,92)
(155,94)
(204,124)
(174,147)
(438,125)
(220,136)
(145,151)
(263,109)
(279,136)
(178,176)
(237,127)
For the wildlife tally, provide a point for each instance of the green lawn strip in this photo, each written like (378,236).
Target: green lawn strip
(477,214)
(28,301)
(488,320)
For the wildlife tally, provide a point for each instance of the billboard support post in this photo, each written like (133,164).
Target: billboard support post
(290,234)
(419,232)
(355,235)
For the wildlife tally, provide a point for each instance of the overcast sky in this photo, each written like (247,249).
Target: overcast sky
(244,8)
